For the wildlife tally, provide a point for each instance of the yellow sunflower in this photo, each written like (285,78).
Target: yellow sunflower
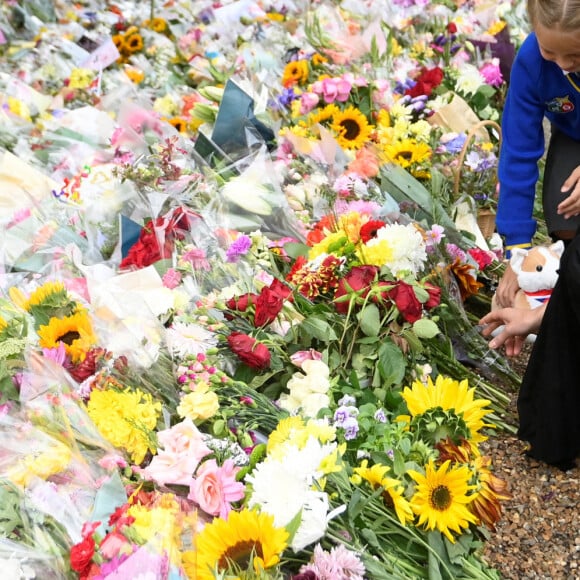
(243,536)
(49,292)
(442,497)
(352,128)
(449,395)
(295,73)
(75,332)
(179,123)
(157,24)
(133,43)
(323,115)
(393,490)
(408,152)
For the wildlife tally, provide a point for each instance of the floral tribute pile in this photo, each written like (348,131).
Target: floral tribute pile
(235,339)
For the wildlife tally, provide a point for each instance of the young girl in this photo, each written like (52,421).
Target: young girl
(544,83)
(549,396)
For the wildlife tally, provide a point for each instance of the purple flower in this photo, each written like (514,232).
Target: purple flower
(351,428)
(380,416)
(239,247)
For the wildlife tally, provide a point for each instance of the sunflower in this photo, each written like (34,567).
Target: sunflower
(157,24)
(75,332)
(179,123)
(491,491)
(318,59)
(408,152)
(441,498)
(48,293)
(295,73)
(322,116)
(133,43)
(449,395)
(393,490)
(246,536)
(352,128)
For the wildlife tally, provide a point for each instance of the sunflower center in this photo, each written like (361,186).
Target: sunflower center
(240,553)
(405,155)
(441,498)
(388,499)
(351,129)
(69,337)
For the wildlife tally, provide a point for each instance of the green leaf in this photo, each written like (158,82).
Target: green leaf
(371,537)
(318,328)
(425,328)
(370,320)
(391,363)
(293,525)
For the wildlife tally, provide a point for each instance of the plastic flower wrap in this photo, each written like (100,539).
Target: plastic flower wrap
(144,536)
(51,472)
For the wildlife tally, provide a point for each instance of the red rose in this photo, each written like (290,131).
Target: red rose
(249,351)
(452,28)
(268,305)
(81,555)
(240,303)
(406,301)
(427,81)
(281,289)
(359,278)
(434,296)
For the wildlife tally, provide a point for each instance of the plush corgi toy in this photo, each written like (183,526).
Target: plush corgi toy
(537,271)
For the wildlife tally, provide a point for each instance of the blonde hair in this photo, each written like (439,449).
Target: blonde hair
(561,14)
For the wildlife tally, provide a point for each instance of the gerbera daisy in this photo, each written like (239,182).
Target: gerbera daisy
(75,332)
(449,395)
(441,498)
(243,536)
(352,128)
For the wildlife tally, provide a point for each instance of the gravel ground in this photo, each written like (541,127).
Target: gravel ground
(539,534)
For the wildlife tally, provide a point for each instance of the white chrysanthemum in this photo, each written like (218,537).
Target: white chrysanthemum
(408,247)
(283,487)
(421,130)
(469,79)
(401,112)
(189,339)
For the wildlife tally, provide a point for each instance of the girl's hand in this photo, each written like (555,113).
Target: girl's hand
(570,207)
(507,288)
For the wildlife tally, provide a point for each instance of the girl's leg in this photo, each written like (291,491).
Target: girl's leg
(549,397)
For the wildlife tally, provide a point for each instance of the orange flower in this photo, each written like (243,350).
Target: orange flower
(468,284)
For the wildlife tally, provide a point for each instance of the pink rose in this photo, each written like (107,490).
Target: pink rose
(216,487)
